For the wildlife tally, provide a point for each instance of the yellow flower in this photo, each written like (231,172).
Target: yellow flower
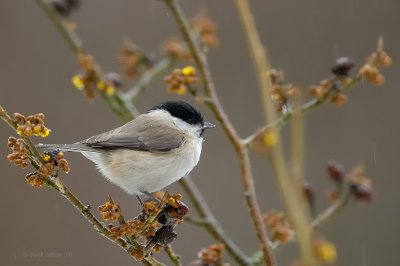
(78,82)
(110,90)
(270,138)
(326,251)
(179,90)
(189,71)
(101,85)
(104,86)
(47,158)
(45,133)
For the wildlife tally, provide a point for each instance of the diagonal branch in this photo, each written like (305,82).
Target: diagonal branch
(124,111)
(303,109)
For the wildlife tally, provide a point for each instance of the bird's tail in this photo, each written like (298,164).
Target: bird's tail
(64,147)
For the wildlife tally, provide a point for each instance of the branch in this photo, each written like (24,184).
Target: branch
(210,223)
(305,108)
(216,108)
(69,36)
(125,112)
(176,259)
(333,209)
(298,211)
(142,84)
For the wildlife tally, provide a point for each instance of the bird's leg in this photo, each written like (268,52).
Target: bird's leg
(139,199)
(150,196)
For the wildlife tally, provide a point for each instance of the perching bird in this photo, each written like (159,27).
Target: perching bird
(148,153)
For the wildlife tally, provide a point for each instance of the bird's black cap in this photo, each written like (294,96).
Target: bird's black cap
(182,110)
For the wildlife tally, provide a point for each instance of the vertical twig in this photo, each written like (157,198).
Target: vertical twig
(298,144)
(298,211)
(240,147)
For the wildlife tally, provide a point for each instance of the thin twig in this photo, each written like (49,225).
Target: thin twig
(69,36)
(126,113)
(176,259)
(298,211)
(334,208)
(210,223)
(305,108)
(216,108)
(142,84)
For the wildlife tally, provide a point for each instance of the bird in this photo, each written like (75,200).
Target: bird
(148,153)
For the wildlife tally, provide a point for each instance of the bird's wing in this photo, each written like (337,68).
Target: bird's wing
(145,133)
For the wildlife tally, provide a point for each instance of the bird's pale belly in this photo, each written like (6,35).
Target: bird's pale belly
(144,171)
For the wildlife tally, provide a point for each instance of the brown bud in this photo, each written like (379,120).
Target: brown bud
(342,66)
(335,171)
(338,99)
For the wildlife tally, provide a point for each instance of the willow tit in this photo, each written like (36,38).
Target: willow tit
(148,153)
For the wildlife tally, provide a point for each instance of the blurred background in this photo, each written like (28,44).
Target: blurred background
(303,39)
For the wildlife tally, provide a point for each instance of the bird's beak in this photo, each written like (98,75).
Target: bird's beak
(208,125)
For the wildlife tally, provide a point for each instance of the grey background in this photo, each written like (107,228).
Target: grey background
(303,38)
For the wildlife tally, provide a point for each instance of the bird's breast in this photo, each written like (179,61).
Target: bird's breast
(136,171)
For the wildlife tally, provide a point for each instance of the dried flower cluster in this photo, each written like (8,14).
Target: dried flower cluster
(110,211)
(20,157)
(175,48)
(155,223)
(181,80)
(56,159)
(360,186)
(207,30)
(210,256)
(133,60)
(35,179)
(89,79)
(32,125)
(20,153)
(278,225)
(329,89)
(52,162)
(64,7)
(377,60)
(281,92)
